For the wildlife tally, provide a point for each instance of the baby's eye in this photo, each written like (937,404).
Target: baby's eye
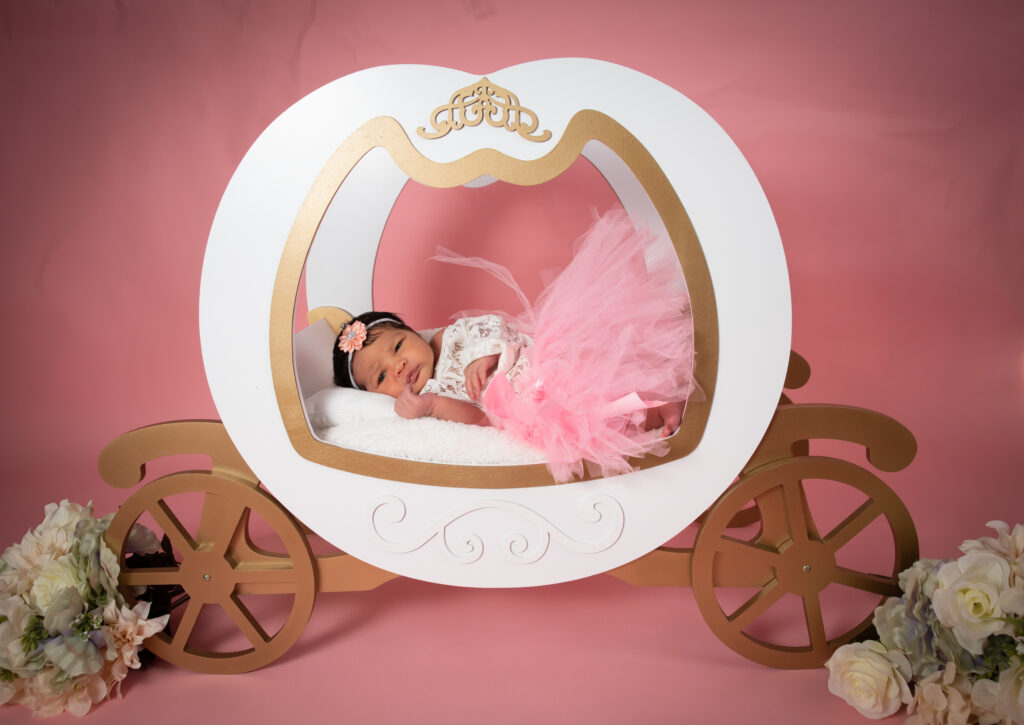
(399,345)
(380,378)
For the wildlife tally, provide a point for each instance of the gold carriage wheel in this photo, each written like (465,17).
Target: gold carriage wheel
(789,556)
(218,565)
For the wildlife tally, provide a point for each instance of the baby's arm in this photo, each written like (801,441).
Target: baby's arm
(477,373)
(411,405)
(491,346)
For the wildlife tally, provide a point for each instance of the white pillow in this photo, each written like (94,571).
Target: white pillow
(337,406)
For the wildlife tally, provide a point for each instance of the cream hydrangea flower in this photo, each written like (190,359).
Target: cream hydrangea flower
(9,690)
(141,540)
(983,701)
(1009,704)
(909,624)
(110,568)
(56,534)
(967,598)
(90,690)
(910,635)
(74,655)
(46,697)
(942,698)
(64,515)
(52,539)
(870,678)
(21,562)
(14,617)
(12,581)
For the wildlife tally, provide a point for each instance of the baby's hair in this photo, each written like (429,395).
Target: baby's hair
(375,323)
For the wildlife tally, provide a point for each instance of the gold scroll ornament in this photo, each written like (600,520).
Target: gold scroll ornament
(484,101)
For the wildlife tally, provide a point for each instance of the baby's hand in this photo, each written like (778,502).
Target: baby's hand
(410,405)
(477,373)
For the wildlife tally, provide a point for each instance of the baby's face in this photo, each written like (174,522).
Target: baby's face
(394,359)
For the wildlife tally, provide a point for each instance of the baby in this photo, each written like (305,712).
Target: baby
(378,352)
(446,375)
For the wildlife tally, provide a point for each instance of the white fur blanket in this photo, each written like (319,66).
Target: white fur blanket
(432,440)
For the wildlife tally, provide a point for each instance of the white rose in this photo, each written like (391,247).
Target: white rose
(966,599)
(870,678)
(54,575)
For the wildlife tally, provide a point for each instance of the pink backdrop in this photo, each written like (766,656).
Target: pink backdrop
(887,136)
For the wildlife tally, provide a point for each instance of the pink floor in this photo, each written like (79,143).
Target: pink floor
(887,136)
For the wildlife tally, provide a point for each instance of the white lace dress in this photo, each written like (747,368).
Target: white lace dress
(472,338)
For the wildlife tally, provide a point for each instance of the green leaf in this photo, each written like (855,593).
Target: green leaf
(34,633)
(998,652)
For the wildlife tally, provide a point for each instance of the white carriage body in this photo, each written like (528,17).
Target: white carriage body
(463,535)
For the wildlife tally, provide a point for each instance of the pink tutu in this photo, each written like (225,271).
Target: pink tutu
(612,337)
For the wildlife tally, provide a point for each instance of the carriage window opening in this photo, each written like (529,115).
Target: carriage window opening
(533,229)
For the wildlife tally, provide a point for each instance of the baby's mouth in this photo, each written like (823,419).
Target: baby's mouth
(413,375)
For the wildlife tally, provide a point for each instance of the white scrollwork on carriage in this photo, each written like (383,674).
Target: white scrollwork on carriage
(527,535)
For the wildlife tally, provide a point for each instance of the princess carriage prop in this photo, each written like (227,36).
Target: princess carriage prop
(307,208)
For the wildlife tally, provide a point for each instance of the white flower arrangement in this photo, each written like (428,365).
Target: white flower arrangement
(952,647)
(67,640)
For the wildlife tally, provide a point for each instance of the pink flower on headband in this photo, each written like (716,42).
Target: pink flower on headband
(352,337)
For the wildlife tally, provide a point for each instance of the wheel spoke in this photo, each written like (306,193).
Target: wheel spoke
(756,606)
(244,620)
(797,513)
(264,580)
(173,528)
(150,576)
(754,554)
(852,525)
(219,522)
(187,623)
(815,621)
(874,583)
(771,511)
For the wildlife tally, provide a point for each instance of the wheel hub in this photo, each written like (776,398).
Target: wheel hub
(806,568)
(207,577)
